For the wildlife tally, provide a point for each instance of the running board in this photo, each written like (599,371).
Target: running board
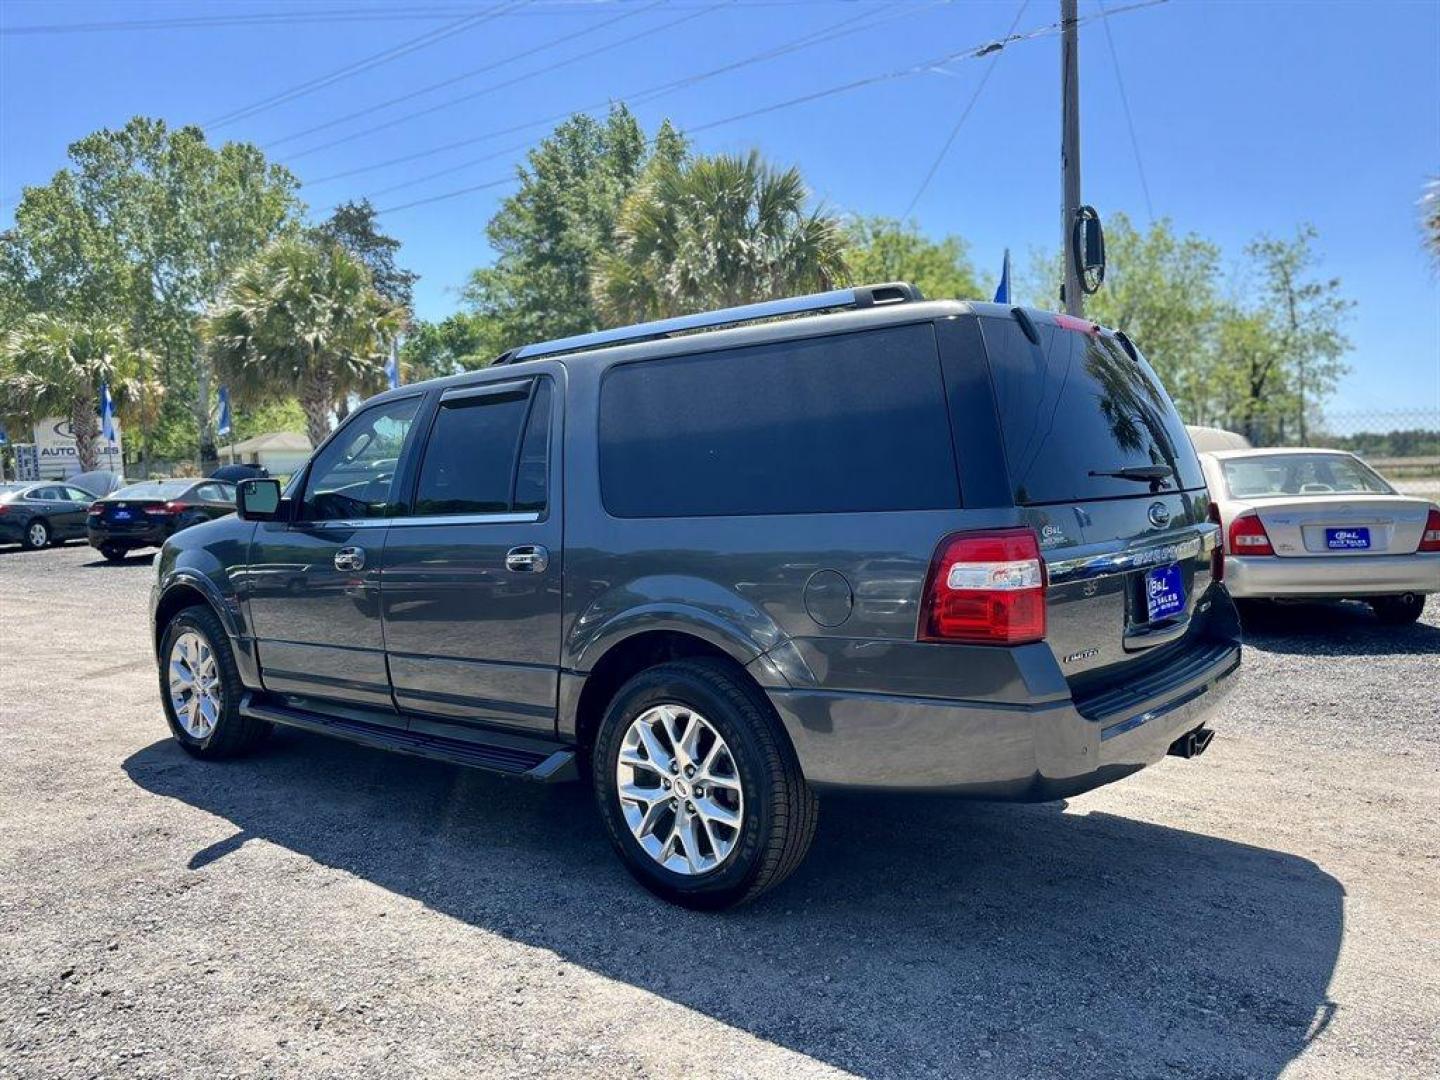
(496,757)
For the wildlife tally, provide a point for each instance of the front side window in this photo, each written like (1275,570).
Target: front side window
(1276,475)
(354,476)
(481,456)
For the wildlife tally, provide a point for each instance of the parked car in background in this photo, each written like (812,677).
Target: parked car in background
(233,474)
(38,514)
(1303,524)
(99,483)
(145,514)
(1214,438)
(895,545)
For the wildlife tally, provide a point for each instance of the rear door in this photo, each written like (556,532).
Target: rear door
(1101,466)
(77,505)
(472,572)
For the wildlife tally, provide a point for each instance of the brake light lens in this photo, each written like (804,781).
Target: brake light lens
(1430,539)
(985,588)
(1217,556)
(171,507)
(1248,536)
(95,509)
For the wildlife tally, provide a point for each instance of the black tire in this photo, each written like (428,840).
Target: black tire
(233,734)
(1398,610)
(113,553)
(43,526)
(780,810)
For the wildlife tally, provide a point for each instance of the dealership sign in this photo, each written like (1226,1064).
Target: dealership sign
(55,448)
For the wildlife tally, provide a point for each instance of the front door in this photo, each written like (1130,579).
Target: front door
(313,583)
(472,572)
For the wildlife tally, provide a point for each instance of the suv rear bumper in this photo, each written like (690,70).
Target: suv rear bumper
(1330,575)
(980,750)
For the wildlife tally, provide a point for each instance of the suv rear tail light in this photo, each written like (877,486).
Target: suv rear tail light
(986,588)
(1430,540)
(1217,556)
(1248,536)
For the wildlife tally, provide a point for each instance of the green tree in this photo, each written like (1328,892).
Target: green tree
(51,366)
(1430,218)
(883,249)
(302,319)
(142,230)
(549,233)
(713,232)
(1302,318)
(353,226)
(463,342)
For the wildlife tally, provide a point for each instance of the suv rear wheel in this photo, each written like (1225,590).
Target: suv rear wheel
(698,786)
(200,688)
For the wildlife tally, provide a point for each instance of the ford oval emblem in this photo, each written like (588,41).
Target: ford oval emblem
(1159,515)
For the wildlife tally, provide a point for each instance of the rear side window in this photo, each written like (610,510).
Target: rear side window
(850,422)
(486,453)
(1077,405)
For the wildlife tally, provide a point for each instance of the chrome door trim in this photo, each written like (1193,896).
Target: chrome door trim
(1107,563)
(422,519)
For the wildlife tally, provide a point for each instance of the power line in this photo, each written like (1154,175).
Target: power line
(430,37)
(1125,104)
(973,52)
(867,20)
(579,57)
(389,13)
(631,13)
(995,50)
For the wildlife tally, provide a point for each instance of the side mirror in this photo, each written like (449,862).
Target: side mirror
(258,500)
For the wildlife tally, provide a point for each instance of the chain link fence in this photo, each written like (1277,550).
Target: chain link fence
(1403,444)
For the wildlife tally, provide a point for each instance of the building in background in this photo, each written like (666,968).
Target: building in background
(282,452)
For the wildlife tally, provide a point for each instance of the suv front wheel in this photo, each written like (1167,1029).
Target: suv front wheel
(699,787)
(201,688)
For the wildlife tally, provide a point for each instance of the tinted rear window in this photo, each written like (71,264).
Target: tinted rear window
(850,422)
(1076,404)
(155,489)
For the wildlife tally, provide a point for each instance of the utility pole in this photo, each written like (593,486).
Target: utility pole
(1070,152)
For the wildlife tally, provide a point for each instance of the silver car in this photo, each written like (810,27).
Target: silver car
(1317,524)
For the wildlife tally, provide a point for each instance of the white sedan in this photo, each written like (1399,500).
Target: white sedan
(1317,524)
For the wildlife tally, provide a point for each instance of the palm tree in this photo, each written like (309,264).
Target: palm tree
(302,318)
(714,232)
(53,366)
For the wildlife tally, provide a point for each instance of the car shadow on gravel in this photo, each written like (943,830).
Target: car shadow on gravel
(1336,628)
(922,937)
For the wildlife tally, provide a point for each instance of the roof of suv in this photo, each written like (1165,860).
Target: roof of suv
(703,332)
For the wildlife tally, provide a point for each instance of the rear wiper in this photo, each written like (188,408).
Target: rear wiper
(1146,474)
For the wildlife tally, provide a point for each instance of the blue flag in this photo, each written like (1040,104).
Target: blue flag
(392,366)
(107,413)
(222,425)
(1002,293)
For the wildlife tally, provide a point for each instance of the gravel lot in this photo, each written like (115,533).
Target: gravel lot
(325,910)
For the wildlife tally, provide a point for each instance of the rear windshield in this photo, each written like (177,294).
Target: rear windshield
(11,491)
(844,423)
(154,489)
(1276,475)
(1078,405)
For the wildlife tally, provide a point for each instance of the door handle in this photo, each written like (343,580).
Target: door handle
(527,559)
(350,558)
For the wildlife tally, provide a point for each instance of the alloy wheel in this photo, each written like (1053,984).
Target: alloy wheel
(679,789)
(195,691)
(39,534)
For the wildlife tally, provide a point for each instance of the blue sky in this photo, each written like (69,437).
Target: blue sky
(1249,116)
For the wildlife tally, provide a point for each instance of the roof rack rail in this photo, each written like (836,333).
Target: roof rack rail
(861,296)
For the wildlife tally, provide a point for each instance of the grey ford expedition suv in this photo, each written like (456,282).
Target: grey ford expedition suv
(854,540)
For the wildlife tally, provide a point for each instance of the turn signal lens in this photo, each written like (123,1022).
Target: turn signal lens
(986,588)
(1248,536)
(1430,540)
